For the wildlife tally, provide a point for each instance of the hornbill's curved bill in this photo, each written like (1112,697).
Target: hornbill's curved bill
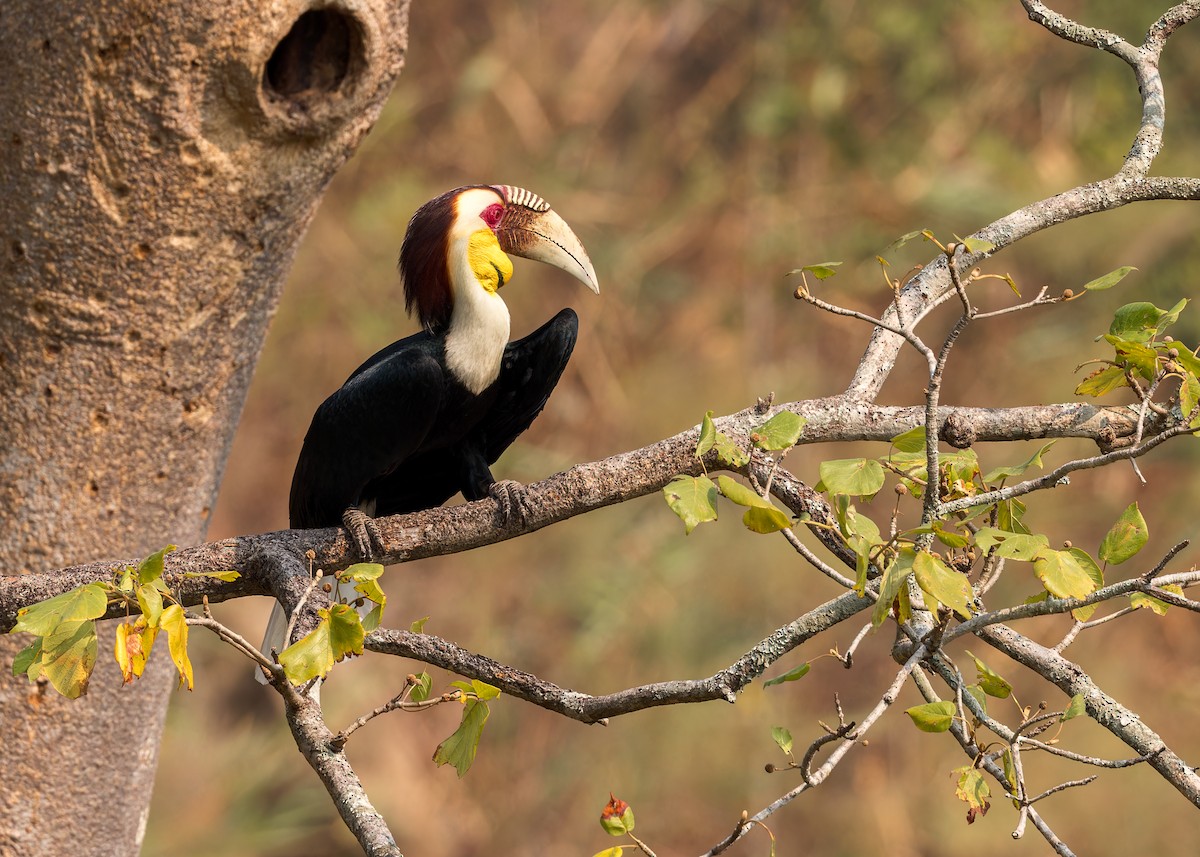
(427,416)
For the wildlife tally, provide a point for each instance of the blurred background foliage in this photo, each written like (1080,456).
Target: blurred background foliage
(701,150)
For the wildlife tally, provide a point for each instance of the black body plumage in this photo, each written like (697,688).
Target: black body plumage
(403,434)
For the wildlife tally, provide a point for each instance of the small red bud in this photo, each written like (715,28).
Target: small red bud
(617,817)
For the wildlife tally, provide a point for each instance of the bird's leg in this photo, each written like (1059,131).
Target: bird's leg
(363,531)
(512,498)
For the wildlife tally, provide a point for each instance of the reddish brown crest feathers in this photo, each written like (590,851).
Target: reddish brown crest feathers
(424,261)
(424,255)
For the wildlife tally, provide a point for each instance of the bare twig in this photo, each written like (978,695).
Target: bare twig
(802,293)
(1056,476)
(399,701)
(819,776)
(723,685)
(236,640)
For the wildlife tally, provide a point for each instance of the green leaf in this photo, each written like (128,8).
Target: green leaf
(1134,355)
(305,659)
(418,627)
(976,693)
(862,561)
(1035,460)
(361,571)
(978,245)
(730,454)
(960,464)
(906,237)
(991,683)
(1077,707)
(174,622)
(708,435)
(761,515)
(373,618)
(28,661)
(339,633)
(1010,769)
(227,576)
(479,689)
(1009,514)
(1108,280)
(853,523)
(1018,546)
(821,270)
(1187,358)
(89,601)
(150,603)
(459,749)
(891,585)
(1189,397)
(783,738)
(1126,537)
(932,716)
(972,788)
(765,520)
(1062,575)
(779,432)
(791,675)
(1102,381)
(1094,572)
(1136,322)
(421,687)
(693,499)
(942,583)
(912,440)
(857,477)
(68,655)
(151,568)
(346,633)
(948,538)
(1170,316)
(365,576)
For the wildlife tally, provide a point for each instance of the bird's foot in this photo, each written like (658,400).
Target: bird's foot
(512,498)
(363,531)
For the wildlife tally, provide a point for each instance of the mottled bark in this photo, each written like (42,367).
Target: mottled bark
(160,163)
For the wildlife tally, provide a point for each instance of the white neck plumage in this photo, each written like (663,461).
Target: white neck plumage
(479,325)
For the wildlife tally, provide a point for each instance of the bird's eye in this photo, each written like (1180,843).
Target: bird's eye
(492,214)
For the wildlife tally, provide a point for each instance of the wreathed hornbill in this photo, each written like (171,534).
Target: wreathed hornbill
(427,416)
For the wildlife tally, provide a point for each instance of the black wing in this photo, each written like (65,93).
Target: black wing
(528,375)
(379,418)
(531,371)
(483,427)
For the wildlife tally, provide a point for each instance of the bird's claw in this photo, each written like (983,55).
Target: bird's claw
(363,531)
(512,499)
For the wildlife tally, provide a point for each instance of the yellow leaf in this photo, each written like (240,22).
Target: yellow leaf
(174,622)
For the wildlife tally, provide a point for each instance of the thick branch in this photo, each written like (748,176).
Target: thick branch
(576,491)
(317,743)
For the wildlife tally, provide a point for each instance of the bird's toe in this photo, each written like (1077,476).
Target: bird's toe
(512,499)
(363,531)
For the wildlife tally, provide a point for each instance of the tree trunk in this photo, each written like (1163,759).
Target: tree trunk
(159,165)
